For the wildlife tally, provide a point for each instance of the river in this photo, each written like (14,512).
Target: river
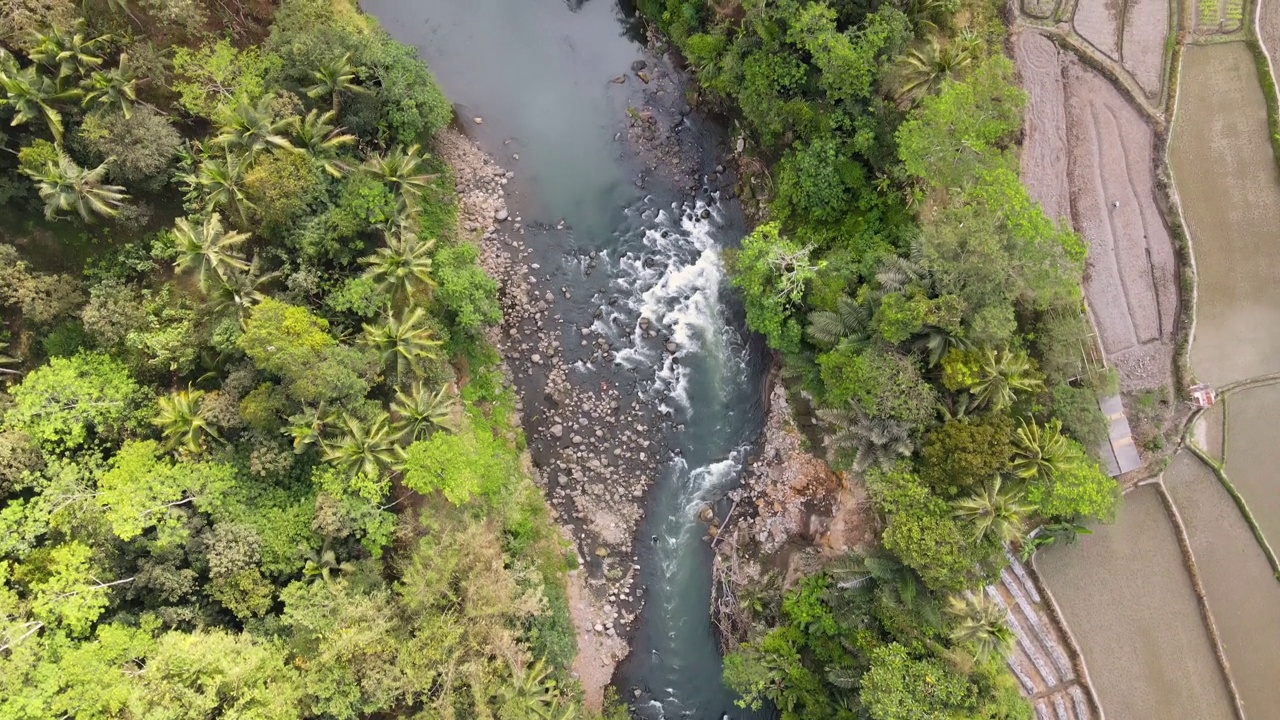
(543,77)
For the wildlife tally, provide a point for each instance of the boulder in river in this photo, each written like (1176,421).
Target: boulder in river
(501,215)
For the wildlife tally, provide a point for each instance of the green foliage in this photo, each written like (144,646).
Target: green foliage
(1078,488)
(73,401)
(140,488)
(467,295)
(142,147)
(923,533)
(900,687)
(280,187)
(295,345)
(850,62)
(214,78)
(1077,408)
(966,452)
(772,272)
(885,383)
(964,129)
(459,465)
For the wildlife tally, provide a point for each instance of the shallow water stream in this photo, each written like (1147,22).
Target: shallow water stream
(541,74)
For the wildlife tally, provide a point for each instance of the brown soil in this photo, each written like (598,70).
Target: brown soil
(1098,22)
(1130,276)
(1269,31)
(1146,27)
(1044,147)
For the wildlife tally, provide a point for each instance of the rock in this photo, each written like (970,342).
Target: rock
(501,215)
(672,347)
(478,120)
(536,359)
(620,79)
(644,78)
(638,65)
(602,551)
(557,430)
(599,627)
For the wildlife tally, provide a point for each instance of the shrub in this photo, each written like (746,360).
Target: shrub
(141,148)
(884,382)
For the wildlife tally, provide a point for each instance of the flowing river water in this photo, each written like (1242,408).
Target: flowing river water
(542,74)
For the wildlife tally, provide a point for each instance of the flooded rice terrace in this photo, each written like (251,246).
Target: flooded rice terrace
(624,246)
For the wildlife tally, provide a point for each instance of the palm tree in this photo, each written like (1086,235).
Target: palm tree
(418,411)
(323,562)
(364,448)
(870,441)
(1039,450)
(402,341)
(32,95)
(317,135)
(980,624)
(307,427)
(893,582)
(117,87)
(218,179)
(240,291)
(251,129)
(935,342)
(208,248)
(65,186)
(402,169)
(848,321)
(401,268)
(1003,374)
(994,511)
(183,422)
(333,78)
(71,55)
(924,67)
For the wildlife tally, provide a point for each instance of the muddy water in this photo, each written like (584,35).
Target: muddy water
(1227,179)
(1127,597)
(1243,595)
(540,74)
(1253,454)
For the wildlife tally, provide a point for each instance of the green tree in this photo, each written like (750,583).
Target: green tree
(898,686)
(773,271)
(65,186)
(459,465)
(292,343)
(281,186)
(209,249)
(66,589)
(70,401)
(1078,488)
(139,488)
(996,512)
(966,452)
(216,77)
(922,531)
(884,382)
